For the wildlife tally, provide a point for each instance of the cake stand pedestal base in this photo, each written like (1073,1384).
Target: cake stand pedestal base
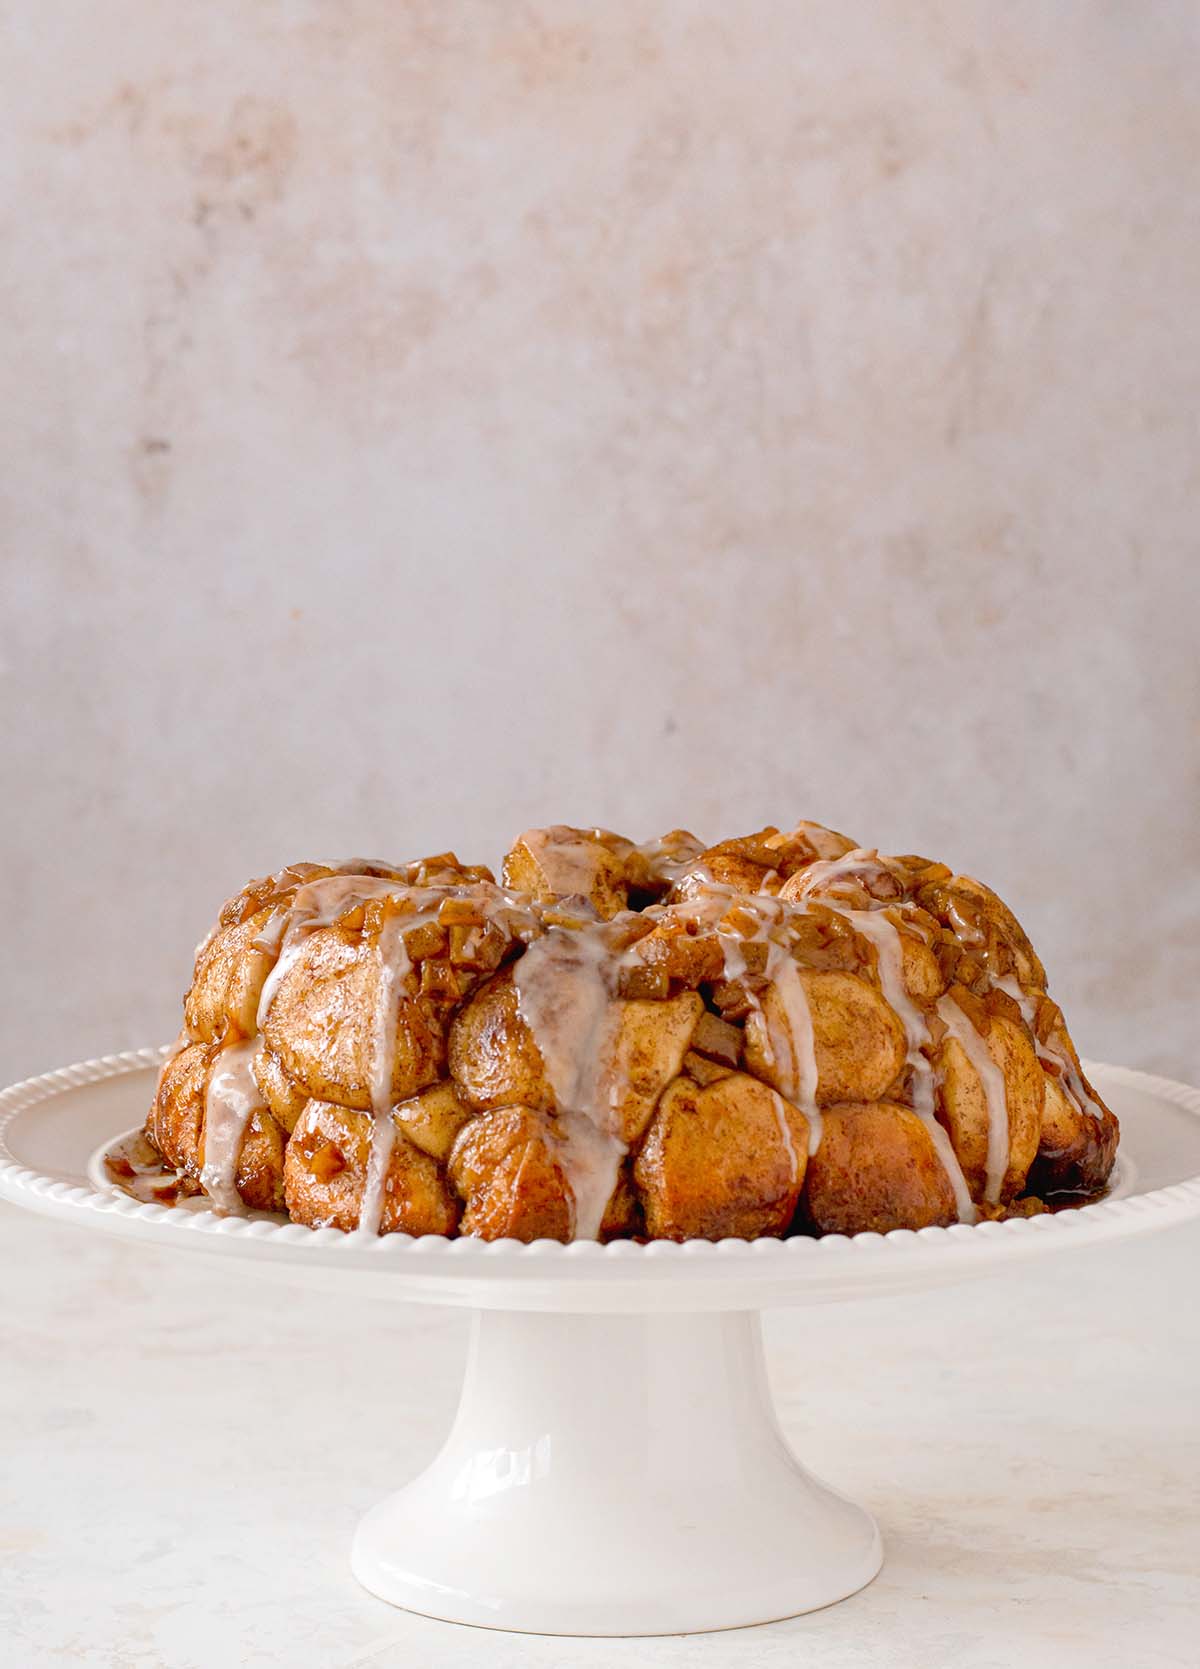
(615,1475)
(616,1466)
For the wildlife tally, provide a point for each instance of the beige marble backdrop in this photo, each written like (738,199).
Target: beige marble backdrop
(421,420)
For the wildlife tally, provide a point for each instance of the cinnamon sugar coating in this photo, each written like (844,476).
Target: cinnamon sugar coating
(777,1033)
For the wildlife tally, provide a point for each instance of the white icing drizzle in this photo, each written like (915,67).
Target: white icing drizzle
(319,903)
(940,1137)
(669,860)
(1048,1051)
(991,1080)
(693,881)
(785,1131)
(889,963)
(591,1158)
(379,1157)
(564,995)
(859,867)
(795,1062)
(791,1050)
(231,1098)
(569,859)
(824,842)
(572,859)
(566,986)
(394,965)
(885,936)
(316,904)
(967,932)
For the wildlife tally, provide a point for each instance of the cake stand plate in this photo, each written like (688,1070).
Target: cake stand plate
(615,1466)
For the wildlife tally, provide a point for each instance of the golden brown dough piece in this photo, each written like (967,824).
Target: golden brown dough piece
(402,962)
(433,1119)
(725,1159)
(325,1176)
(603,869)
(175,1123)
(965,1109)
(232,964)
(876,1169)
(761,862)
(1076,1150)
(321,1023)
(982,932)
(494,1057)
(858,1041)
(352,972)
(1079,1134)
(283,1095)
(506,1166)
(777,1033)
(179,1127)
(561,862)
(496,1061)
(231,969)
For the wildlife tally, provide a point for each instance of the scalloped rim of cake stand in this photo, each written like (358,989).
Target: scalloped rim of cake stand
(586,1276)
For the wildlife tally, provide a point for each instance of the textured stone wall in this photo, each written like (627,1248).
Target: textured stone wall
(423,420)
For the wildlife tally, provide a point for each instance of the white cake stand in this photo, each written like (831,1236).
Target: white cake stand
(616,1466)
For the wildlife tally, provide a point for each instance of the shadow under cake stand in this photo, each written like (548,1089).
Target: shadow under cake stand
(616,1466)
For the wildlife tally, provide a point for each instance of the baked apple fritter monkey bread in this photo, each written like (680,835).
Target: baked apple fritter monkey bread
(782,1033)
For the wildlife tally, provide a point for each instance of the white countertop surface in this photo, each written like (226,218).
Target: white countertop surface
(186,1453)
